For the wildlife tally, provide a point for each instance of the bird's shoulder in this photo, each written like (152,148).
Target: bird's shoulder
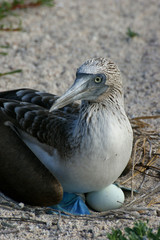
(28,110)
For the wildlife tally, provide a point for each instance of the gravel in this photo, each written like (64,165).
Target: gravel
(53,43)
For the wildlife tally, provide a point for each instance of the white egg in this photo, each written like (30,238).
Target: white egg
(111,197)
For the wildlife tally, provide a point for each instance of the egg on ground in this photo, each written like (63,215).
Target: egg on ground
(111,197)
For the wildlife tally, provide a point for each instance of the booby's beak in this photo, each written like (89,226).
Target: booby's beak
(84,88)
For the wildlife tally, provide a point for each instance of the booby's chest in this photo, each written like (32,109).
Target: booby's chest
(104,134)
(102,155)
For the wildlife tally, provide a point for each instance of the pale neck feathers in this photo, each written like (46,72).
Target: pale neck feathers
(97,114)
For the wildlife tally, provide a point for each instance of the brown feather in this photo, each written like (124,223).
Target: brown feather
(22,176)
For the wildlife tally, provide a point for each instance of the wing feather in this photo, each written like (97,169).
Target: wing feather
(36,97)
(50,128)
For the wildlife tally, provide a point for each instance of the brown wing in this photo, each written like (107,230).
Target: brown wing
(36,97)
(22,176)
(27,111)
(47,127)
(42,99)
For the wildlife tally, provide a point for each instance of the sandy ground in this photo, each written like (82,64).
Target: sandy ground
(52,44)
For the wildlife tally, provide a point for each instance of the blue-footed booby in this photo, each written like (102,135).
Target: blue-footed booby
(50,144)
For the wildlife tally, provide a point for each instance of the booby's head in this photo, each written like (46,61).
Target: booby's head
(93,79)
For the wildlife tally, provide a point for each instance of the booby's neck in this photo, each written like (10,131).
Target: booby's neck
(97,115)
(111,101)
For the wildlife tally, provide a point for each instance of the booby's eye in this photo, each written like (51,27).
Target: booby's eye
(98,80)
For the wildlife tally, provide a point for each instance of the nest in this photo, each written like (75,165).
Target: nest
(140,180)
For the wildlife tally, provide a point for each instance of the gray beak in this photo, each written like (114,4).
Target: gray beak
(84,88)
(77,91)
